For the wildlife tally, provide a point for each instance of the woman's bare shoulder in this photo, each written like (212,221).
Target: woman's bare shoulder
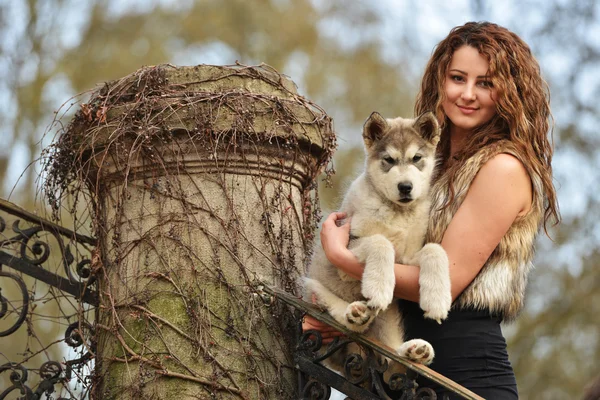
(505,178)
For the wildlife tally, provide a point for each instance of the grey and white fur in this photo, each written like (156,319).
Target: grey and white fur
(389,209)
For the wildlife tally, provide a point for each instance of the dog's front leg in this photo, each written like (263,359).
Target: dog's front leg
(435,297)
(378,280)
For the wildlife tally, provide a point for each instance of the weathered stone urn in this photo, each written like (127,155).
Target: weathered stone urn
(201,183)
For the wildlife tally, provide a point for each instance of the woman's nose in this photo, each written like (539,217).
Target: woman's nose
(468,93)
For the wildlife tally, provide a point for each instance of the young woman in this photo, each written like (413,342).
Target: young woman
(492,194)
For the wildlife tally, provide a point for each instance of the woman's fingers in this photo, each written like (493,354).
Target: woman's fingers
(335,218)
(334,238)
(309,322)
(327,332)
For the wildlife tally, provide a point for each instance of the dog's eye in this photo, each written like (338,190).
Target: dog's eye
(417,158)
(389,160)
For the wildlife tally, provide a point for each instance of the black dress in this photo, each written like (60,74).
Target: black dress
(469,349)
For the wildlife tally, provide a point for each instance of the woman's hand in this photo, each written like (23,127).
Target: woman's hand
(327,332)
(335,235)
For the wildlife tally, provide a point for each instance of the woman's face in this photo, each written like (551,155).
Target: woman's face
(470,95)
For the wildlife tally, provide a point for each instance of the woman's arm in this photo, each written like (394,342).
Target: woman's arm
(500,192)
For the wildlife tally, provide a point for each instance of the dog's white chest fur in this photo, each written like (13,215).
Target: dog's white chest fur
(371,215)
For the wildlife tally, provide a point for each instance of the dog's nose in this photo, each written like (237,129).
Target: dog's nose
(405,187)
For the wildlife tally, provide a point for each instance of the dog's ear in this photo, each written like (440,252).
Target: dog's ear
(374,128)
(428,127)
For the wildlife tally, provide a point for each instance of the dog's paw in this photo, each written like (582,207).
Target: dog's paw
(435,306)
(359,315)
(417,350)
(379,300)
(378,292)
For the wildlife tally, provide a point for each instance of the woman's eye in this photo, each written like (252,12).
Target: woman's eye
(456,78)
(486,84)
(388,160)
(417,158)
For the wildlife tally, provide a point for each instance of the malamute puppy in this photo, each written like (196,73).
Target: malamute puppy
(389,206)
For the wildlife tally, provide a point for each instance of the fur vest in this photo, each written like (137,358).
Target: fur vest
(500,285)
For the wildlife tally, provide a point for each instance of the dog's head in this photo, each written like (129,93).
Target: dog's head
(401,155)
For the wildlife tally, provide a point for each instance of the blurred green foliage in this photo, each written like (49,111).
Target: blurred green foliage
(344,58)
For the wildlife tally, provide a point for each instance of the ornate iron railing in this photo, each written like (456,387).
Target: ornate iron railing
(363,373)
(67,266)
(33,249)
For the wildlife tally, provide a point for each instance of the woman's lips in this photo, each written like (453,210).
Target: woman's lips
(467,110)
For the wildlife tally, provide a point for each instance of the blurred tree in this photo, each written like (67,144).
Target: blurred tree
(109,44)
(348,161)
(555,344)
(555,350)
(337,54)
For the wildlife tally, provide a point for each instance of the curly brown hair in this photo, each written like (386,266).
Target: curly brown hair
(522,102)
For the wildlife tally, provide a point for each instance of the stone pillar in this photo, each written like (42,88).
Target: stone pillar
(202,181)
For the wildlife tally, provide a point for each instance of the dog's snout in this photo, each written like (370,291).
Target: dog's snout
(405,187)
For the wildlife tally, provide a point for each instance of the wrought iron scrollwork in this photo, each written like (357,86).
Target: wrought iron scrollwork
(51,372)
(315,390)
(7,308)
(364,371)
(39,249)
(33,252)
(370,371)
(18,377)
(33,247)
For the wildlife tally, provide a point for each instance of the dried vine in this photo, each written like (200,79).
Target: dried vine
(200,181)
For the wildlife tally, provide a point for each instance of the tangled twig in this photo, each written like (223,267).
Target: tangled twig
(199,181)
